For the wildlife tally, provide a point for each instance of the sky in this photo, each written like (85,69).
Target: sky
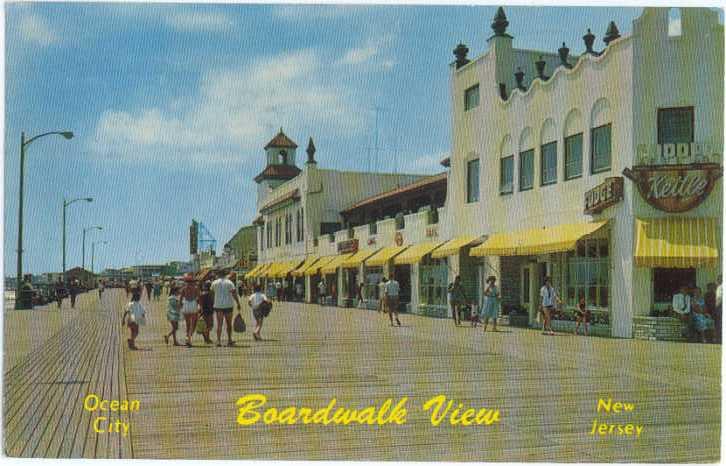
(172,104)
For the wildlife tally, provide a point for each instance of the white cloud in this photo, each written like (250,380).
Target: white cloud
(427,163)
(314,12)
(232,112)
(34,28)
(199,21)
(372,49)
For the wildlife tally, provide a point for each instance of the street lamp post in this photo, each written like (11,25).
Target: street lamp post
(93,251)
(65,205)
(83,261)
(23,144)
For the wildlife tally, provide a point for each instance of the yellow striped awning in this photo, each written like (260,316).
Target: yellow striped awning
(453,246)
(332,266)
(251,273)
(357,259)
(676,242)
(258,272)
(558,238)
(298,272)
(271,270)
(315,268)
(384,255)
(286,268)
(415,253)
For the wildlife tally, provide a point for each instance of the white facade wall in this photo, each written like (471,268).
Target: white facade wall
(624,87)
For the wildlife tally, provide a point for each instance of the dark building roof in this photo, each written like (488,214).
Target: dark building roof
(281,140)
(278,172)
(424,184)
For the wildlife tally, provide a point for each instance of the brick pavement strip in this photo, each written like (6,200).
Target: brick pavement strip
(546,389)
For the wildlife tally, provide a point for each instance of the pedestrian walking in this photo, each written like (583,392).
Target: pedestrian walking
(189,297)
(73,291)
(382,295)
(101,287)
(278,290)
(392,299)
(321,291)
(456,298)
(258,301)
(173,314)
(582,316)
(157,290)
(225,295)
(60,292)
(134,316)
(206,309)
(490,310)
(549,302)
(359,292)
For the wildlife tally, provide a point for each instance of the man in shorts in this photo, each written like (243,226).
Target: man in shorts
(225,295)
(549,302)
(392,292)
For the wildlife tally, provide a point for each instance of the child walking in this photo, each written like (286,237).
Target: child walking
(173,314)
(583,317)
(136,316)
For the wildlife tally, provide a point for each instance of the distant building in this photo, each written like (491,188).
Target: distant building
(240,251)
(120,275)
(144,272)
(83,276)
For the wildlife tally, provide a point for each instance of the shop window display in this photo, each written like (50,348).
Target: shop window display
(587,275)
(433,276)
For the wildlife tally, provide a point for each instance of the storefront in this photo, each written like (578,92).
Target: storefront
(380,265)
(333,285)
(352,276)
(454,254)
(575,256)
(428,278)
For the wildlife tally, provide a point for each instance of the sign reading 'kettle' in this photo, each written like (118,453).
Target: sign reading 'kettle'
(676,187)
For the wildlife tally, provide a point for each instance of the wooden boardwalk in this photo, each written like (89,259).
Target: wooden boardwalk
(546,389)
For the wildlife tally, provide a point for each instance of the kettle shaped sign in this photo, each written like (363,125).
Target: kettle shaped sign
(675,188)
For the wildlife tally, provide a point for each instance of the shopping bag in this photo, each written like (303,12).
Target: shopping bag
(265,308)
(201,327)
(239,324)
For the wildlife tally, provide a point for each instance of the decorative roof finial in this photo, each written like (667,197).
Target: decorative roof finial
(540,65)
(311,152)
(460,53)
(564,53)
(611,34)
(589,39)
(499,26)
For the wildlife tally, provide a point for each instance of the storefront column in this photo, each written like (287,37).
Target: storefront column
(308,288)
(415,287)
(624,277)
(341,292)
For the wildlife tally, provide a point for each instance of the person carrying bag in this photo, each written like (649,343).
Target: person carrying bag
(261,307)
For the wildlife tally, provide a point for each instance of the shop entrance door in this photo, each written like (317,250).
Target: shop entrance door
(403,276)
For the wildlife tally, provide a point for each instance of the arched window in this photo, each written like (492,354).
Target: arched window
(573,145)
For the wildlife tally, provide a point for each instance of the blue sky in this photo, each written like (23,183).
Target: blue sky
(171,105)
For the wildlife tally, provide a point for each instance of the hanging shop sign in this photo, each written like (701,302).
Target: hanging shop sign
(604,195)
(348,246)
(398,239)
(675,188)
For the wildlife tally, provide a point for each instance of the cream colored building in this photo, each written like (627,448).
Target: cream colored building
(527,149)
(299,209)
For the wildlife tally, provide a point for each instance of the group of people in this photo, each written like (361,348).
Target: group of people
(190,302)
(490,308)
(701,312)
(72,291)
(389,291)
(549,304)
